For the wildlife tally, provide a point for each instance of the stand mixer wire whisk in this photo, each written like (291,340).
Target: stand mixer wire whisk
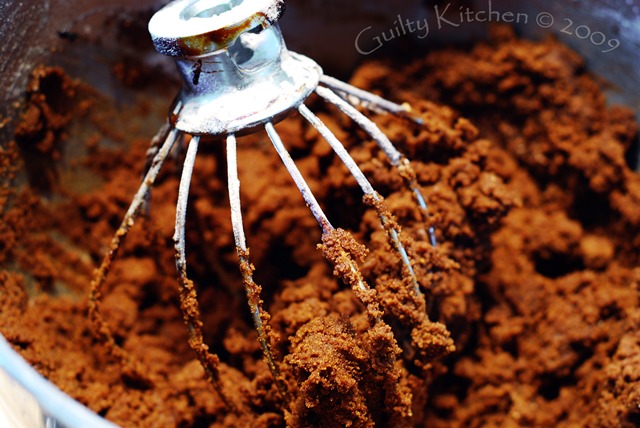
(239,78)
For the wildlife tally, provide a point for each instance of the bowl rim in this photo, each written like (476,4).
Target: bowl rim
(55,405)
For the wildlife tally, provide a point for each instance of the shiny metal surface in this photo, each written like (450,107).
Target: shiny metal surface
(28,400)
(237,74)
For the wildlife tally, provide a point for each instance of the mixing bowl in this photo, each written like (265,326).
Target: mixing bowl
(605,32)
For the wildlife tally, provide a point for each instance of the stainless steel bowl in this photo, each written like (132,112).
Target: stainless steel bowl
(605,32)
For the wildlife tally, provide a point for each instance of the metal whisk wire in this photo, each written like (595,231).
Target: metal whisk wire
(238,78)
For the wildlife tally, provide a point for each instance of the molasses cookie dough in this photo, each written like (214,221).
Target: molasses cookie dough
(532,292)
